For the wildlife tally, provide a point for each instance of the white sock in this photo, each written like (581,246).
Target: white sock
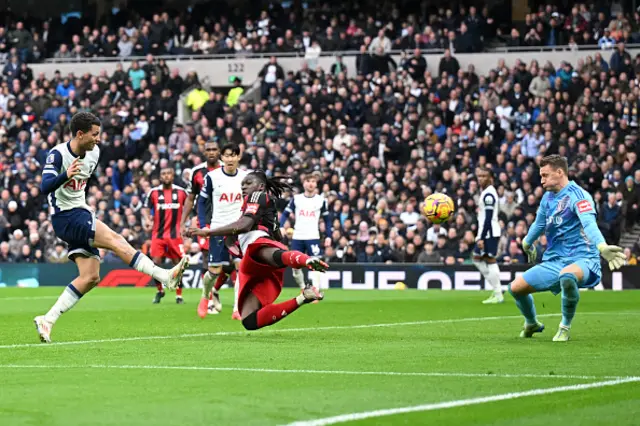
(208,281)
(236,292)
(482,267)
(298,277)
(66,301)
(494,279)
(143,264)
(315,277)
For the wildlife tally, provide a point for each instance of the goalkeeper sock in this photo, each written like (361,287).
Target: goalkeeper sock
(493,279)
(208,281)
(570,298)
(67,300)
(524,302)
(298,277)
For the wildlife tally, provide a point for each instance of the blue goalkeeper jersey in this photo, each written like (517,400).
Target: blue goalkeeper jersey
(568,219)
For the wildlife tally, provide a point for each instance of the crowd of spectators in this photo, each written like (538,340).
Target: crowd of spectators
(382,141)
(582,25)
(215,27)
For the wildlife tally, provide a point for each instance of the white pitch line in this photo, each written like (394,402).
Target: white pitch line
(459,403)
(330,372)
(284,330)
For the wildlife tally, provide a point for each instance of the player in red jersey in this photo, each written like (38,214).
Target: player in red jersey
(264,257)
(166,201)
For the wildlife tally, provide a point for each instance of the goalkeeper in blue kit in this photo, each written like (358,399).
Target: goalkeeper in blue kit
(567,216)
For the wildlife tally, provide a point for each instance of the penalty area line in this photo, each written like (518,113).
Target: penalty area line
(459,403)
(319,372)
(289,330)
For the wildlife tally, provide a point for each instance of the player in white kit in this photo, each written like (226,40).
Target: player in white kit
(223,187)
(307,208)
(64,179)
(485,251)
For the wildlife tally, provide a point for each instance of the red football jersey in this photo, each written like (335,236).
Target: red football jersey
(167,206)
(198,174)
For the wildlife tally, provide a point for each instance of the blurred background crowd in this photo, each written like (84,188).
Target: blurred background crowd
(383,136)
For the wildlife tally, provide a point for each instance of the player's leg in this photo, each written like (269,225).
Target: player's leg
(257,307)
(493,270)
(481,266)
(570,277)
(175,252)
(156,259)
(217,253)
(235,278)
(542,277)
(107,239)
(89,277)
(298,275)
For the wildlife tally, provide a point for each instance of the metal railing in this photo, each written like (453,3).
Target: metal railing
(240,56)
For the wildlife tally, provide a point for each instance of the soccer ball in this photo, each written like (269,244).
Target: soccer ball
(438,208)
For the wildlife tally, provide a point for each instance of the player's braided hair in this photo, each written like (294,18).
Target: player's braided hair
(275,185)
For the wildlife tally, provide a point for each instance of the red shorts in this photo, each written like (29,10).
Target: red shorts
(264,281)
(169,248)
(203,242)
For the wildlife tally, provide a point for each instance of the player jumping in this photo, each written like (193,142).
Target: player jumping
(264,258)
(166,201)
(572,260)
(307,208)
(223,188)
(64,178)
(198,174)
(484,253)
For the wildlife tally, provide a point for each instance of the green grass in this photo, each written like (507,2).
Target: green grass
(86,384)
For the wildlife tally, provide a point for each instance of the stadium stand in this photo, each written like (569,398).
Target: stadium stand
(382,134)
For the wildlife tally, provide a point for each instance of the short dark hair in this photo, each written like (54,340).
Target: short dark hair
(556,162)
(83,121)
(234,148)
(486,170)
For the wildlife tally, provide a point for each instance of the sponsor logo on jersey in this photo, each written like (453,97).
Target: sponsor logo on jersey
(75,185)
(230,197)
(50,159)
(168,206)
(562,204)
(584,206)
(252,208)
(307,213)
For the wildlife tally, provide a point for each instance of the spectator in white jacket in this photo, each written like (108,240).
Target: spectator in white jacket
(342,138)
(380,41)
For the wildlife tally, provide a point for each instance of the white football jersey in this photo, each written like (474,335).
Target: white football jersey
(308,211)
(71,194)
(488,225)
(225,193)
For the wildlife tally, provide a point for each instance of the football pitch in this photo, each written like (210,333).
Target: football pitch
(358,358)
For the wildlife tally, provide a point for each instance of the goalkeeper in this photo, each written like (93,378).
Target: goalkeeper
(567,216)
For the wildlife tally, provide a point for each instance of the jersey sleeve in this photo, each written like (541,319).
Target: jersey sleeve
(148,200)
(489,201)
(52,175)
(539,224)
(256,205)
(192,185)
(205,195)
(583,206)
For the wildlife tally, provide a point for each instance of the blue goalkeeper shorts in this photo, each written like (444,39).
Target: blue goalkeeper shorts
(546,275)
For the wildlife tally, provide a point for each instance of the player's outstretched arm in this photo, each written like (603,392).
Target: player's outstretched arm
(240,226)
(291,207)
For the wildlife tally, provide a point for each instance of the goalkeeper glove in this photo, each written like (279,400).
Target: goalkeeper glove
(613,255)
(530,251)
